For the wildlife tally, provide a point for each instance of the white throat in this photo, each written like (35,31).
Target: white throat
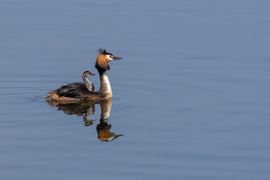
(105,86)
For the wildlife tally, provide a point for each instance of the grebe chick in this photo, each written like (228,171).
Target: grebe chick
(88,84)
(78,92)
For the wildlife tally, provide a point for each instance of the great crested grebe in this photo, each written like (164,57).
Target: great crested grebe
(78,92)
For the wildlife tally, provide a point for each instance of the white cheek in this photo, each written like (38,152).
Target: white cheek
(109,58)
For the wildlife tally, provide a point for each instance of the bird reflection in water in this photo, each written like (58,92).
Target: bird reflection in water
(86,110)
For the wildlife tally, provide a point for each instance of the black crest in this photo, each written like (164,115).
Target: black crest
(103,51)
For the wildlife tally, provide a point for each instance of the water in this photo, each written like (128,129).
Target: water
(191,96)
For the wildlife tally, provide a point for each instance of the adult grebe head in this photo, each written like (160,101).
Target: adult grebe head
(103,59)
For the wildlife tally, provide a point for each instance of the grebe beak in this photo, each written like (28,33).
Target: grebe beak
(116,58)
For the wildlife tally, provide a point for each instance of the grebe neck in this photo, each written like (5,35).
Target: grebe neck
(105,86)
(102,66)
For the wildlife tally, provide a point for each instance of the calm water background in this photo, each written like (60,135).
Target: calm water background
(191,95)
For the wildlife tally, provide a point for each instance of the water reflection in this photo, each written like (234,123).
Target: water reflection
(86,110)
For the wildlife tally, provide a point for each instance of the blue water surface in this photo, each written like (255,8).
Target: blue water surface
(191,96)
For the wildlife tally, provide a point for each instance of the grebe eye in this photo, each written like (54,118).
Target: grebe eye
(111,56)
